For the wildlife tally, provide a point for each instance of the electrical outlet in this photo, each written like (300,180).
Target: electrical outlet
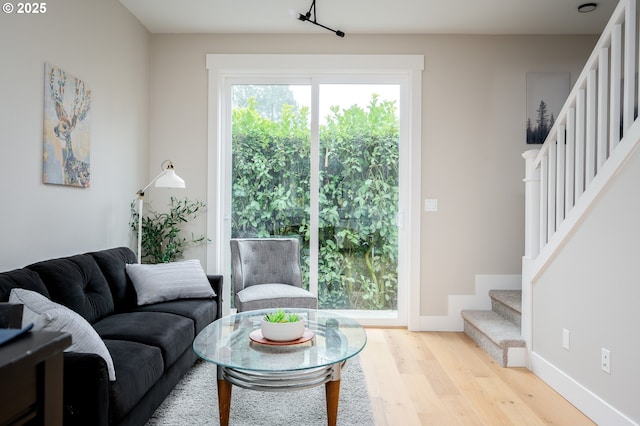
(606,360)
(566,342)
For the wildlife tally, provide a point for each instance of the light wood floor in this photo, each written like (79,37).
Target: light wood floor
(436,378)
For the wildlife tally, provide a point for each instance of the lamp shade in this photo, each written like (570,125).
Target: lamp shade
(169,179)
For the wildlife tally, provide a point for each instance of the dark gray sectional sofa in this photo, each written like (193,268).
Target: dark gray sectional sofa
(150,345)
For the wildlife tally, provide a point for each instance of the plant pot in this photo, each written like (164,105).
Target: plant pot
(282,331)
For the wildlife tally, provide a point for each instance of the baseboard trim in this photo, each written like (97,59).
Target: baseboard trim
(517,357)
(480,300)
(584,400)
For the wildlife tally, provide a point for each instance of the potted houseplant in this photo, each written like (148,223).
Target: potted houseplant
(163,238)
(281,326)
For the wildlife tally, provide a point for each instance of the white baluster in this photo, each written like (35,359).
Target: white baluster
(532,204)
(603,97)
(580,136)
(560,175)
(544,200)
(551,209)
(614,108)
(629,64)
(590,136)
(570,160)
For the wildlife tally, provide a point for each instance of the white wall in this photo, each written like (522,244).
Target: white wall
(473,137)
(100,42)
(592,289)
(474,107)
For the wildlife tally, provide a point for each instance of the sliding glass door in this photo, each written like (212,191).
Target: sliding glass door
(358,196)
(320,162)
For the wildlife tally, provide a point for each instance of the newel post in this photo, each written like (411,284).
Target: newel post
(532,205)
(531,243)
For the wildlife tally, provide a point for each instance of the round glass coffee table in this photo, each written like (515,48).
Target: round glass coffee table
(234,343)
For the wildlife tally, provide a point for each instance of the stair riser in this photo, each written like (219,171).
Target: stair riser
(497,353)
(506,311)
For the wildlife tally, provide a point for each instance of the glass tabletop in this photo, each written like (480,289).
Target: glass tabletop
(227,342)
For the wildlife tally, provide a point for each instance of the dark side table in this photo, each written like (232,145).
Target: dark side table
(31,378)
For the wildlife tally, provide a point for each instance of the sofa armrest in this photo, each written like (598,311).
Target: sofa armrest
(216,285)
(86,389)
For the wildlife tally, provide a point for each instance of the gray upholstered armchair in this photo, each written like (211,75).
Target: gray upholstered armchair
(266,274)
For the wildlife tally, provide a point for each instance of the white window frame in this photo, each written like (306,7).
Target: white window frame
(223,69)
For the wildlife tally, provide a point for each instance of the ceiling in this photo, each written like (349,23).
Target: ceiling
(372,16)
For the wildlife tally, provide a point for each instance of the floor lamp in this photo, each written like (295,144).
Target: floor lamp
(166,179)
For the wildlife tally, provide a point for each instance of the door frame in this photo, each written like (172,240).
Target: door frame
(223,68)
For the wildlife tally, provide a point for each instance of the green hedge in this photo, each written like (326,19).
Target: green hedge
(358,195)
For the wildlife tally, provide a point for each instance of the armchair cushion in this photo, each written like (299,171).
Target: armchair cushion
(267,296)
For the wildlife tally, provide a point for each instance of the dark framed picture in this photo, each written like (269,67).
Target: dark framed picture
(546,94)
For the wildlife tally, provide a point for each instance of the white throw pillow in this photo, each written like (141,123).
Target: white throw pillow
(169,281)
(51,316)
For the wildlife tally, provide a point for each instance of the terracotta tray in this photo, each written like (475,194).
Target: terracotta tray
(256,336)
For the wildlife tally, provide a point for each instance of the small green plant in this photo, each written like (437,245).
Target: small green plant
(281,316)
(162,239)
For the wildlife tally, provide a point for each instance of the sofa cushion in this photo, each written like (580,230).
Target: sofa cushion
(169,281)
(173,334)
(112,264)
(48,315)
(201,312)
(20,278)
(139,367)
(77,283)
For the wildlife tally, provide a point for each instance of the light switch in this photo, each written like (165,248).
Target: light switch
(431,205)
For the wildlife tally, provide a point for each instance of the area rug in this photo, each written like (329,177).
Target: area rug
(194,401)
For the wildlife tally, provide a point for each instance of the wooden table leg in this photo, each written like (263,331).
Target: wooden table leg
(53,386)
(332,390)
(224,401)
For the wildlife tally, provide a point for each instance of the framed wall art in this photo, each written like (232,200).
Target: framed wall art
(66,129)
(546,94)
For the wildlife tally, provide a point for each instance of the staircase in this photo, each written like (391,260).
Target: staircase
(498,331)
(592,137)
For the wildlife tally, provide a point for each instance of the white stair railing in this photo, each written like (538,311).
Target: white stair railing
(599,111)
(592,137)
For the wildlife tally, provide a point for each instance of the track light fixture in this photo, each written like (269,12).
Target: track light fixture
(307,17)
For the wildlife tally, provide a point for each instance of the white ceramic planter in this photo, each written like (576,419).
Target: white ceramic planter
(282,331)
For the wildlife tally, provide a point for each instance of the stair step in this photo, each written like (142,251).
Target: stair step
(495,334)
(507,303)
(499,329)
(511,298)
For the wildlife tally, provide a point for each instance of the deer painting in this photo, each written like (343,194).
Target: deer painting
(73,170)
